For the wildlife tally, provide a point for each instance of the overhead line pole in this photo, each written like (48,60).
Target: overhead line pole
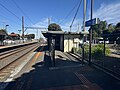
(23,28)
(90,32)
(49,20)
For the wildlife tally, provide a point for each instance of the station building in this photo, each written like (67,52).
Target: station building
(64,41)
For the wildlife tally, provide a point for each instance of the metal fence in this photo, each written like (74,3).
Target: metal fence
(108,58)
(13,42)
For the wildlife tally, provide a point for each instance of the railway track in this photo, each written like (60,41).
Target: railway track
(10,60)
(12,52)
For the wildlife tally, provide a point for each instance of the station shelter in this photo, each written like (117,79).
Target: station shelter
(64,41)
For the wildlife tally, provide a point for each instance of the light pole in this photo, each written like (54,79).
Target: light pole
(6,27)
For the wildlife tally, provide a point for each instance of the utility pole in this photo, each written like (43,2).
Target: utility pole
(6,27)
(90,32)
(49,21)
(84,15)
(78,27)
(37,34)
(23,28)
(84,19)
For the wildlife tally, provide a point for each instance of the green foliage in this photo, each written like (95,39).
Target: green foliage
(117,26)
(97,51)
(98,28)
(74,50)
(54,27)
(30,36)
(86,51)
(107,51)
(111,28)
(3,31)
(79,51)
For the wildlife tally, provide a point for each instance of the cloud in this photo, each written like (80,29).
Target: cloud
(66,26)
(108,12)
(43,23)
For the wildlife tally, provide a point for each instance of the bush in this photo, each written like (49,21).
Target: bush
(74,50)
(96,51)
(86,51)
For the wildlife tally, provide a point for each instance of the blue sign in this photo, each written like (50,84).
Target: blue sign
(92,22)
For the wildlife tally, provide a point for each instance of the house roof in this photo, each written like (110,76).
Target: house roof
(15,35)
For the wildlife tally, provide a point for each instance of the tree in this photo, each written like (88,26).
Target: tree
(111,28)
(31,36)
(3,31)
(99,28)
(54,27)
(3,34)
(117,26)
(26,36)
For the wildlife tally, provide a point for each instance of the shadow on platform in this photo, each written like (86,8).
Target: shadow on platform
(43,76)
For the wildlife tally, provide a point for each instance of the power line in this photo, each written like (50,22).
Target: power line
(22,11)
(76,13)
(9,19)
(69,12)
(10,11)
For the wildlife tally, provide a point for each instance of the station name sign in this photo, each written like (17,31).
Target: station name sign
(92,22)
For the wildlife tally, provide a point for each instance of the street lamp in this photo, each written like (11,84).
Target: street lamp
(6,27)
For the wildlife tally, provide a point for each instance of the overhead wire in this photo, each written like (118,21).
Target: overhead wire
(69,12)
(10,11)
(22,11)
(9,19)
(75,14)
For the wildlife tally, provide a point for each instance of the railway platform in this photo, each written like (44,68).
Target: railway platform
(69,73)
(5,48)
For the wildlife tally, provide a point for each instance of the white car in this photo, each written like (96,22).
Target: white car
(9,41)
(101,42)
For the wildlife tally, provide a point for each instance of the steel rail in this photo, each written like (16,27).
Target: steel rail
(23,54)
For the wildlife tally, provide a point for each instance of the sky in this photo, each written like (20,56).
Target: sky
(37,12)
